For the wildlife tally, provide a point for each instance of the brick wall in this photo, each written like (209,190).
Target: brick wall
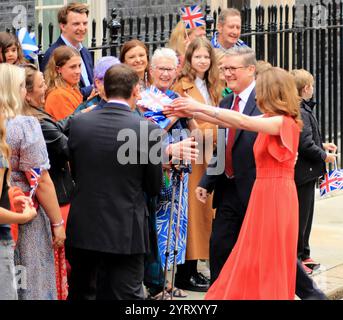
(16,13)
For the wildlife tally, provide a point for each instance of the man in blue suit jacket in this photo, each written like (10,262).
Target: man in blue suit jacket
(73,21)
(231,194)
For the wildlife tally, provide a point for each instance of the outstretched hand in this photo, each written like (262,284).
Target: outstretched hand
(182,107)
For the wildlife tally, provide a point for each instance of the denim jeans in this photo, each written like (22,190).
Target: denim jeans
(8,287)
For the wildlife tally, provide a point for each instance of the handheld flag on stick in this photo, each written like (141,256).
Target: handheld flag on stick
(34,174)
(28,44)
(192,17)
(332,182)
(153,101)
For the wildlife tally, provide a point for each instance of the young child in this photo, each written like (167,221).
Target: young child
(312,155)
(7,279)
(12,50)
(4,38)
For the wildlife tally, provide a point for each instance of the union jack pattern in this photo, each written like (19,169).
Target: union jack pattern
(35,174)
(192,17)
(153,99)
(332,181)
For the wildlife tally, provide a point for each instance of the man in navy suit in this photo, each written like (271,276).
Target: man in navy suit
(232,188)
(108,220)
(73,21)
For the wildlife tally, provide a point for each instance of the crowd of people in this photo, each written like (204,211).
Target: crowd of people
(225,173)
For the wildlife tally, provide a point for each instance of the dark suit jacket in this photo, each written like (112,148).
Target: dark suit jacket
(243,160)
(310,164)
(87,59)
(56,139)
(108,211)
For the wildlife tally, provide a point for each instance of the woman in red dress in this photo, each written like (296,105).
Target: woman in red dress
(268,236)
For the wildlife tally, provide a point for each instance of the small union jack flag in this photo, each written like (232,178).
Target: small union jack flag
(192,17)
(35,174)
(153,99)
(339,179)
(329,183)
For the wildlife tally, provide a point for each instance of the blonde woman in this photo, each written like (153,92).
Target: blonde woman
(199,80)
(34,249)
(7,280)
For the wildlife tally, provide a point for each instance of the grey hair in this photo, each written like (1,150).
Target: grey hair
(164,53)
(229,12)
(248,54)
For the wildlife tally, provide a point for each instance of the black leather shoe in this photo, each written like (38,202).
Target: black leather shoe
(202,278)
(195,283)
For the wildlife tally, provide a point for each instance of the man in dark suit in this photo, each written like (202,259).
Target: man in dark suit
(73,21)
(232,188)
(113,164)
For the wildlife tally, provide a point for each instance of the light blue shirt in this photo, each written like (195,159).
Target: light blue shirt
(83,67)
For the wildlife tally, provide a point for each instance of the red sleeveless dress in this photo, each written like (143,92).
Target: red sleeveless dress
(262,264)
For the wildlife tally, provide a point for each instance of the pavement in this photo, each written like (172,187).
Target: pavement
(326,243)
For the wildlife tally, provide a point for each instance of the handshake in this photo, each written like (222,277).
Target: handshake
(185,150)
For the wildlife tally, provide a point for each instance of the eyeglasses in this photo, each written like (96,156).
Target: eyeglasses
(162,70)
(231,69)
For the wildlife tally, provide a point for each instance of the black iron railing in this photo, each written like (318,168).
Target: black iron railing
(309,37)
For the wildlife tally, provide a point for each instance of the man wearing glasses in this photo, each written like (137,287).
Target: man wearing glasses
(232,188)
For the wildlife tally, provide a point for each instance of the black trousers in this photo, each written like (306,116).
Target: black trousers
(186,270)
(306,208)
(225,227)
(105,276)
(306,288)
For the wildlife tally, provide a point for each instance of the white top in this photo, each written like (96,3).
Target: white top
(202,87)
(244,95)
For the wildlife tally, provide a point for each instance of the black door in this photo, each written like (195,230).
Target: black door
(238,4)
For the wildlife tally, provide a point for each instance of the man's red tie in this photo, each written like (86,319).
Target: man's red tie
(230,142)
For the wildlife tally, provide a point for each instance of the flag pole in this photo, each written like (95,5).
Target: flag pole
(187,37)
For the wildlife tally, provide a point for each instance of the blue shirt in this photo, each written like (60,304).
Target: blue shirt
(215,44)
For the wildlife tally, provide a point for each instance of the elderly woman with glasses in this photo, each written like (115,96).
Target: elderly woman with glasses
(200,80)
(163,73)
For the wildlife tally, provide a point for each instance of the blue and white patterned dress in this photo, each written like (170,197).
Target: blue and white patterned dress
(164,206)
(162,221)
(33,257)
